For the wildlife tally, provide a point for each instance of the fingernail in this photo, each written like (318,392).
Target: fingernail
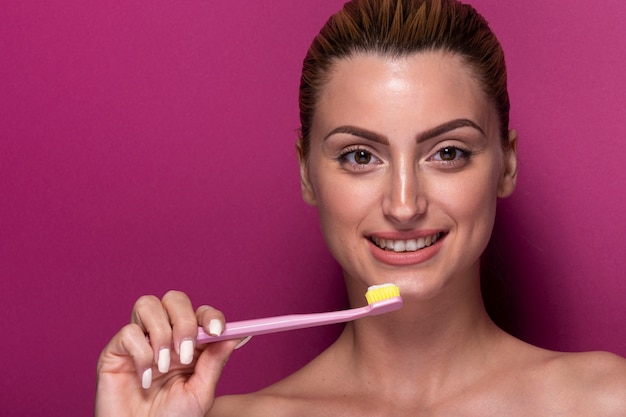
(186,352)
(243,342)
(164,360)
(146,379)
(215,327)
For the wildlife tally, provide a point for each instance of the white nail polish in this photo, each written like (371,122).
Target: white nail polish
(186,352)
(146,379)
(243,342)
(164,360)
(215,327)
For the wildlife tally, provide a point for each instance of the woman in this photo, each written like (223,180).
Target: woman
(404,150)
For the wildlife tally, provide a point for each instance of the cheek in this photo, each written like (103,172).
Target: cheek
(343,203)
(470,201)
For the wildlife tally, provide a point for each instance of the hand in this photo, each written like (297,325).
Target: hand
(138,376)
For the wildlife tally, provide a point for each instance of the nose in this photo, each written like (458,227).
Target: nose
(405,200)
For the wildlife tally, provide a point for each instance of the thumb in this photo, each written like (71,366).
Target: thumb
(208,370)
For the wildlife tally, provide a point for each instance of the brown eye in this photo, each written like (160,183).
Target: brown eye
(447,154)
(358,159)
(362,157)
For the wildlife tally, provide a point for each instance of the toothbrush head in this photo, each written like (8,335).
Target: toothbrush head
(377,293)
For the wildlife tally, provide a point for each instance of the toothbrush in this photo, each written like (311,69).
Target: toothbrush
(380,298)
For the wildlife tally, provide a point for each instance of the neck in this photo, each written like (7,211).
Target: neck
(436,340)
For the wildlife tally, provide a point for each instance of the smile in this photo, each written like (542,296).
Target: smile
(410,245)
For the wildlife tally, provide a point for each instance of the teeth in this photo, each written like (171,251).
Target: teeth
(410,245)
(399,246)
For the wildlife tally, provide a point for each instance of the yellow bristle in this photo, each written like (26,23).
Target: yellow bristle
(381,292)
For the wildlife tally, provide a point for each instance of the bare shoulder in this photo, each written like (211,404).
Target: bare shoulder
(303,393)
(544,382)
(596,379)
(293,396)
(271,401)
(594,369)
(249,405)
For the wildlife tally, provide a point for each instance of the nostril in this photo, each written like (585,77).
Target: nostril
(405,211)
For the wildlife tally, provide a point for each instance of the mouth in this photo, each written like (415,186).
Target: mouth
(409,245)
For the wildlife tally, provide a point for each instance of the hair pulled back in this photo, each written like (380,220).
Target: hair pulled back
(399,28)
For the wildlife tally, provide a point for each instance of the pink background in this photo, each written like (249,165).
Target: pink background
(150,145)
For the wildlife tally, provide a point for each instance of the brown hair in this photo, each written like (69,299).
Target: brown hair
(399,28)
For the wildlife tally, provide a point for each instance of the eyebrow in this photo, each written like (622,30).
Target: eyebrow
(429,134)
(357,131)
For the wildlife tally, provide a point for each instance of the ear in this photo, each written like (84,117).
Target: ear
(308,194)
(508,179)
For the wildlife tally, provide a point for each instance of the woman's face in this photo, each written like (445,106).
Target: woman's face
(405,167)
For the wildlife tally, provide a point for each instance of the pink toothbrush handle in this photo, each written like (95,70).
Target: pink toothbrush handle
(241,329)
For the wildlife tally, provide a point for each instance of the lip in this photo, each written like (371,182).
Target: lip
(406,258)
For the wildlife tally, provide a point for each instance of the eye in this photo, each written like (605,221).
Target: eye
(447,154)
(450,154)
(362,157)
(358,158)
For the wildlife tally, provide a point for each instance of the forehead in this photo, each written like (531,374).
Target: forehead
(423,89)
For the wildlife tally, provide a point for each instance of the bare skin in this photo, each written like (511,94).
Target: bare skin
(401,148)
(135,380)
(537,383)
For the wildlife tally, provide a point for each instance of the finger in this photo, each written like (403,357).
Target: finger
(208,370)
(184,324)
(131,342)
(150,315)
(211,320)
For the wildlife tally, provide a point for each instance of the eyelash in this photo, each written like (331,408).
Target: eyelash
(343,158)
(463,157)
